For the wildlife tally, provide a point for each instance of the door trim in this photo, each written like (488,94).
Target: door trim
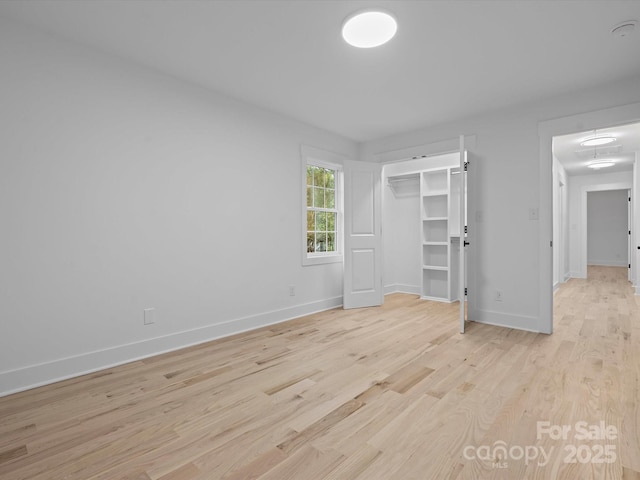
(546,131)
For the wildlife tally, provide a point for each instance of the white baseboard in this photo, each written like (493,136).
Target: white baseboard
(401,288)
(499,319)
(25,378)
(607,263)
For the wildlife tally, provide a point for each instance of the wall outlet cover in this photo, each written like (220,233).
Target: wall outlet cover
(149,316)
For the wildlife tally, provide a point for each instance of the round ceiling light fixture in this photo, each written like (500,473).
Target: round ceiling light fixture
(599,165)
(369,28)
(596,141)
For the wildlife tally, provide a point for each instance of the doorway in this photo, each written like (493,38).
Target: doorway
(581,171)
(608,228)
(430,193)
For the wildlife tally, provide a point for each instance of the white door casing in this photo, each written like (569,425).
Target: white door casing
(462,260)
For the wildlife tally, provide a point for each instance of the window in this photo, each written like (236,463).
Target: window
(322,216)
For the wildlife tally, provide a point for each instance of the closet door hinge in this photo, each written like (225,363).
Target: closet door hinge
(466,166)
(465,290)
(466,229)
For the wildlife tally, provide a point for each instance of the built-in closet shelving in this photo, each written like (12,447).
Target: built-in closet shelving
(440,234)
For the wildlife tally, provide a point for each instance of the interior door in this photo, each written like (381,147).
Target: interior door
(468,236)
(363,235)
(462,262)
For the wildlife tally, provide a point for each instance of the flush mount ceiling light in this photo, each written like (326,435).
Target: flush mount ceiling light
(596,140)
(369,28)
(599,165)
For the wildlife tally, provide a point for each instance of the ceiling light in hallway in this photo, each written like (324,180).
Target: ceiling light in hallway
(597,140)
(599,165)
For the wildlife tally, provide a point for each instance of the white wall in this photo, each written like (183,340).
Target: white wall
(122,189)
(607,228)
(579,186)
(401,242)
(507,170)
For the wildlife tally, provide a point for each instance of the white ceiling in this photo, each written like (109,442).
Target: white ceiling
(450,59)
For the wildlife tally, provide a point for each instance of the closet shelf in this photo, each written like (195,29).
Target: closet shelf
(404,185)
(438,266)
(436,193)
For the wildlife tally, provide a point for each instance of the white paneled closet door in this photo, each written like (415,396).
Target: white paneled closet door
(363,235)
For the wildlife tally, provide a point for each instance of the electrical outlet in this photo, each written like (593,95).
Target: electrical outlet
(498,295)
(292,290)
(149,316)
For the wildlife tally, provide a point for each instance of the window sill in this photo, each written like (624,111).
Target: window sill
(321,259)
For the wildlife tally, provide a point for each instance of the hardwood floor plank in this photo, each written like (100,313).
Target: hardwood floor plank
(354,464)
(305,463)
(185,472)
(321,426)
(261,465)
(16,452)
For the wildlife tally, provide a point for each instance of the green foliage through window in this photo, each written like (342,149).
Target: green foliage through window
(321,210)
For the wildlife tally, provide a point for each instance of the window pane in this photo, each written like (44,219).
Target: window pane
(309,196)
(311,220)
(310,175)
(318,197)
(321,221)
(331,222)
(331,244)
(311,244)
(331,179)
(318,177)
(321,242)
(330,198)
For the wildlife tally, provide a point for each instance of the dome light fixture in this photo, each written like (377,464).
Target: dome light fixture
(596,141)
(599,165)
(369,28)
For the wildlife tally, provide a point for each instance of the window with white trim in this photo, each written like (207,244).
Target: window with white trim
(322,222)
(322,213)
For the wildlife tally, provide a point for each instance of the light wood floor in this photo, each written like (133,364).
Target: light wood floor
(383,393)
